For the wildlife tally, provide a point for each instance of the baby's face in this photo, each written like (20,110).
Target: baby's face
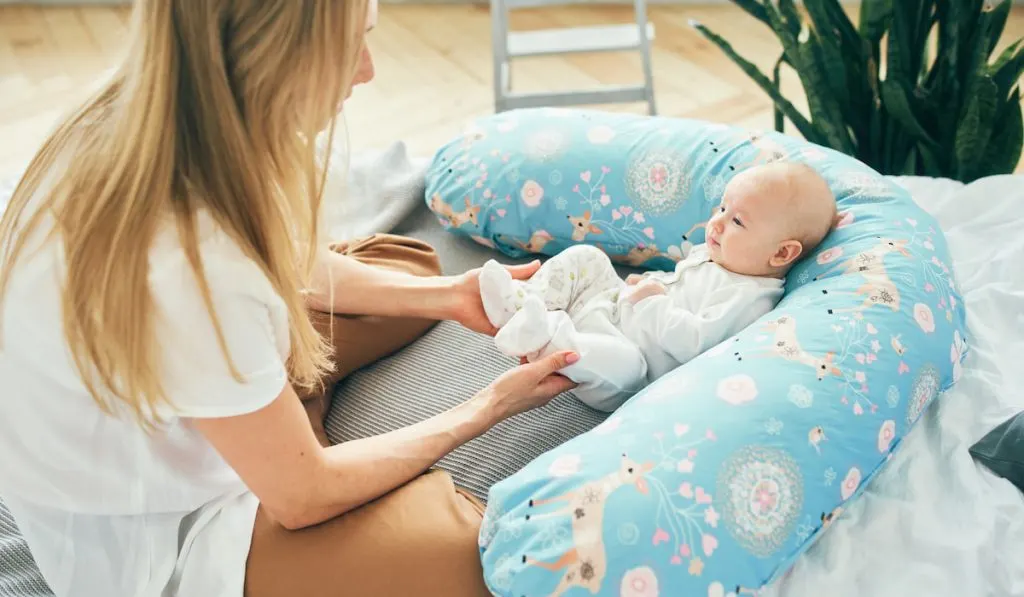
(749,229)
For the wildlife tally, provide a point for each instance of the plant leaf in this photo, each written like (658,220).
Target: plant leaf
(825,110)
(874,19)
(1000,14)
(754,9)
(975,128)
(809,131)
(930,162)
(897,102)
(1007,69)
(780,118)
(1002,153)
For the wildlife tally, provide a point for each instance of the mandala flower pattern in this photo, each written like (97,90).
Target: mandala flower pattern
(926,387)
(657,181)
(762,495)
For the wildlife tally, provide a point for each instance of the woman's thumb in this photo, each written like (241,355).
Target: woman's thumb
(557,361)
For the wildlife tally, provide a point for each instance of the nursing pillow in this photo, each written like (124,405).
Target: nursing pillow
(716,477)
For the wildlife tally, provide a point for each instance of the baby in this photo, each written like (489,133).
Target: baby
(629,333)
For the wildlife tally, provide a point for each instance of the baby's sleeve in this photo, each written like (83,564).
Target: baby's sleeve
(196,375)
(685,333)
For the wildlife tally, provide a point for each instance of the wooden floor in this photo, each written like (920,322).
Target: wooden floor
(50,56)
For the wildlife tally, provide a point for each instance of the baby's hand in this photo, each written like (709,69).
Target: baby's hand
(633,279)
(646,289)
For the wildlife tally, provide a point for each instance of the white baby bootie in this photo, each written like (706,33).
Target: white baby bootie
(501,295)
(528,331)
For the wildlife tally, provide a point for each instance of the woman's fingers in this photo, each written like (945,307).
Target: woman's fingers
(524,271)
(633,279)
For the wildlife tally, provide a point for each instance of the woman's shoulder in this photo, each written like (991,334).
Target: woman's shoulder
(224,265)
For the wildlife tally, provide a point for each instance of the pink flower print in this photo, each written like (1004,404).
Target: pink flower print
(576,188)
(605,200)
(929,288)
(639,582)
(885,435)
(876,345)
(658,174)
(565,466)
(871,329)
(936,261)
(859,376)
(830,255)
(676,560)
(684,550)
(626,210)
(709,544)
(585,176)
(928,245)
(649,232)
(501,213)
(710,435)
(603,188)
(660,536)
(904,368)
(858,409)
(871,358)
(638,218)
(686,490)
(711,517)
(685,466)
(850,483)
(924,318)
(487,193)
(844,220)
(912,222)
(681,429)
(531,193)
(616,215)
(605,170)
(860,358)
(701,496)
(737,389)
(765,497)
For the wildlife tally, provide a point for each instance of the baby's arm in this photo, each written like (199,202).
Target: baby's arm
(684,333)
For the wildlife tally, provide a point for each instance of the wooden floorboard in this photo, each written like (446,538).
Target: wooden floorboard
(50,56)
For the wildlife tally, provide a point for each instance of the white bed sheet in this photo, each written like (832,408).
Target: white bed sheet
(934,522)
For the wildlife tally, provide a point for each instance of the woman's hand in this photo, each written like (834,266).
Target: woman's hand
(467,308)
(529,385)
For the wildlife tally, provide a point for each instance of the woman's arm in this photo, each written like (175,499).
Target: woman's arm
(300,483)
(347,286)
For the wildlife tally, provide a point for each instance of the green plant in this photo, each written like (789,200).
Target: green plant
(937,105)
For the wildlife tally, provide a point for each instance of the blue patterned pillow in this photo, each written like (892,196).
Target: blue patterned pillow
(715,478)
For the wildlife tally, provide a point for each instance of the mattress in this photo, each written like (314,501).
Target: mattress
(932,523)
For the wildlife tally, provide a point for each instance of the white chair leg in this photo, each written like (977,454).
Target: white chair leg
(640,12)
(499,53)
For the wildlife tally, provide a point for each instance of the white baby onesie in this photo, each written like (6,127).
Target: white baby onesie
(577,301)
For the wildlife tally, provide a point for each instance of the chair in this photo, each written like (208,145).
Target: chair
(507,45)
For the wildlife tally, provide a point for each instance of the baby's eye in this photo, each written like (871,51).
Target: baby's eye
(737,221)
(722,209)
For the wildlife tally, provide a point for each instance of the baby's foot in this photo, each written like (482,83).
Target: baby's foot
(527,332)
(500,294)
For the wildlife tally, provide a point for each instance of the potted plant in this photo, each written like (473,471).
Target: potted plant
(911,89)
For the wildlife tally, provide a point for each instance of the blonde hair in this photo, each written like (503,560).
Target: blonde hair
(216,107)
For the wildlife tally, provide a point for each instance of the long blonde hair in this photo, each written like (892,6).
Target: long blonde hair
(217,106)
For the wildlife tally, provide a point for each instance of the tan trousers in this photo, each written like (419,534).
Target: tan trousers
(420,539)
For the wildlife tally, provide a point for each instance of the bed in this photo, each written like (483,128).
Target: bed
(933,523)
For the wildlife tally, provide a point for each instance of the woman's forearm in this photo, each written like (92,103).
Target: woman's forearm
(356,472)
(347,286)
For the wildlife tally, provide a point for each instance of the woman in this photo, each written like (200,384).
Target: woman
(166,301)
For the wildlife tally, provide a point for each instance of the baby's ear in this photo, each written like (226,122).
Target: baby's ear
(787,253)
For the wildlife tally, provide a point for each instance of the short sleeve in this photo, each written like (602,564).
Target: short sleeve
(196,374)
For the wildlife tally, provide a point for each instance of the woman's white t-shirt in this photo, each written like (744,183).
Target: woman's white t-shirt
(107,508)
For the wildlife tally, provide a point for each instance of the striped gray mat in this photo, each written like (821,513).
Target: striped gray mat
(19,576)
(443,368)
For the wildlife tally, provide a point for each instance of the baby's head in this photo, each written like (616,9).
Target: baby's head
(770,217)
